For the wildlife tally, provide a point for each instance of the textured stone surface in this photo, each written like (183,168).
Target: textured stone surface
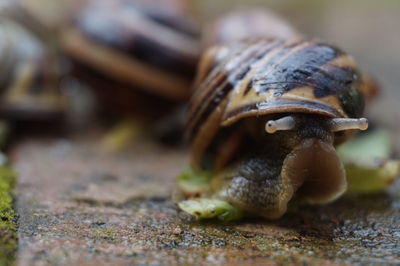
(79,206)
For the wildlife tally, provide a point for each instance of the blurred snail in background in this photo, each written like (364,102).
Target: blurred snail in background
(44,18)
(138,56)
(268,110)
(31,74)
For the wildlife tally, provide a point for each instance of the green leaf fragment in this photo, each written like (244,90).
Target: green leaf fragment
(367,164)
(367,148)
(365,180)
(194,182)
(197,183)
(205,208)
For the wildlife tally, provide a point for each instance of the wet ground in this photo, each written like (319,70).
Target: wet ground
(80,206)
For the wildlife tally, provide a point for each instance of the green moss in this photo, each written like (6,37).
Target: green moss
(8,242)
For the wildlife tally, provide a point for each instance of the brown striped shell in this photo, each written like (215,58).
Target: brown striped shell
(134,53)
(271,76)
(267,113)
(31,74)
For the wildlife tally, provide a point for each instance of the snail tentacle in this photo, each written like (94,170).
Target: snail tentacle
(285,123)
(340,124)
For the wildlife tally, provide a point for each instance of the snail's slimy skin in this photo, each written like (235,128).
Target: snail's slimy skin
(277,166)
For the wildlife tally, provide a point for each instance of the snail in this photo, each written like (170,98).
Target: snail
(41,17)
(136,55)
(31,76)
(266,115)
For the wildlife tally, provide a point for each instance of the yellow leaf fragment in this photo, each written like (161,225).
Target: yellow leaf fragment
(368,166)
(205,208)
(121,135)
(366,148)
(194,182)
(366,180)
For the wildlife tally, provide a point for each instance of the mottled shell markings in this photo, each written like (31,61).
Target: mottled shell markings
(257,74)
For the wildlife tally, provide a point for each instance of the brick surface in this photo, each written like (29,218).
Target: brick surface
(79,206)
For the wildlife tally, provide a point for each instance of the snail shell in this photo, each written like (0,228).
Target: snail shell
(30,83)
(265,118)
(134,53)
(43,18)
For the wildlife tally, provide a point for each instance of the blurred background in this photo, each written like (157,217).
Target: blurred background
(367,29)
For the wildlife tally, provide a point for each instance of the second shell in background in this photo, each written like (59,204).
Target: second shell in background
(138,56)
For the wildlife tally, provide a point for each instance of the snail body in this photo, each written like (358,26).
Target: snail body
(266,116)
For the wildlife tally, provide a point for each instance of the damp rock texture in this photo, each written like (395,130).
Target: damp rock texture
(80,206)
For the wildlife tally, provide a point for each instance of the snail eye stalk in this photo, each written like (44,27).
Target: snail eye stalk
(340,124)
(285,123)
